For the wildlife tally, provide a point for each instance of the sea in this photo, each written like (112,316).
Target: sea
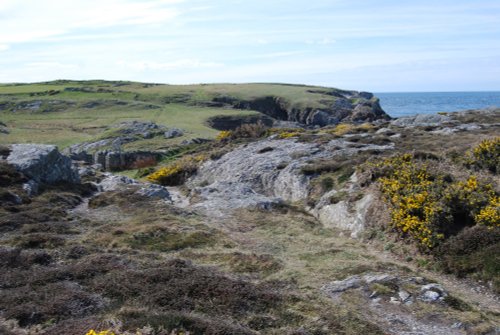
(406,104)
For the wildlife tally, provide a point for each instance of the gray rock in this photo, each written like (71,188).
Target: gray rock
(421,120)
(140,128)
(113,182)
(31,187)
(174,132)
(395,301)
(221,196)
(445,131)
(403,295)
(433,287)
(195,141)
(468,127)
(378,278)
(42,163)
(265,173)
(356,281)
(343,285)
(348,106)
(154,191)
(430,296)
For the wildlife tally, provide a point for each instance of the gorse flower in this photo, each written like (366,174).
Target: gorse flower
(424,206)
(175,173)
(102,332)
(223,135)
(486,155)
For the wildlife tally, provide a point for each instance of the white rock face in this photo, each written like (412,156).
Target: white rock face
(268,167)
(343,215)
(266,173)
(42,163)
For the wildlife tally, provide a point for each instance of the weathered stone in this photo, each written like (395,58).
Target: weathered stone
(113,182)
(269,171)
(421,120)
(343,285)
(174,132)
(42,163)
(343,215)
(430,296)
(139,128)
(154,191)
(403,295)
(221,196)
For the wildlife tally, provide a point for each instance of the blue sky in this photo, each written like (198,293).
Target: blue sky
(380,46)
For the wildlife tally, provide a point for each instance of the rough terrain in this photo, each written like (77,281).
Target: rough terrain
(275,231)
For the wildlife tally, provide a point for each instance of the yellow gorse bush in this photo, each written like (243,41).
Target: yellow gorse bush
(102,332)
(424,206)
(343,128)
(490,215)
(486,155)
(176,172)
(408,188)
(288,134)
(223,135)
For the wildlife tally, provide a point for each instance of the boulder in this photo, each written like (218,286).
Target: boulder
(113,182)
(174,132)
(42,163)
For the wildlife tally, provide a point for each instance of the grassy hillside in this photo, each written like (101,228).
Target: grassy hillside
(67,112)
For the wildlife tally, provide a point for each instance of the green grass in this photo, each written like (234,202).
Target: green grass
(72,122)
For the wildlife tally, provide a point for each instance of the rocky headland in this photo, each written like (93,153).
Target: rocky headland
(283,224)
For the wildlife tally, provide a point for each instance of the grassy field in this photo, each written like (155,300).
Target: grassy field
(65,113)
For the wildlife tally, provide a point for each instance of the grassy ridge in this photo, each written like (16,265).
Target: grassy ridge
(68,112)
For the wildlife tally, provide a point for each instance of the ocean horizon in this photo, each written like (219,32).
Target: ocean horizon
(399,104)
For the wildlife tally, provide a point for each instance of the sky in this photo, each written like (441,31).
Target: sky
(378,46)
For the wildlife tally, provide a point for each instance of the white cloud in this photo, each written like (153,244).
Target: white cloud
(32,20)
(4,47)
(173,65)
(323,41)
(51,65)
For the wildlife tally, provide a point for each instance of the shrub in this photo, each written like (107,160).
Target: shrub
(428,205)
(102,332)
(250,130)
(283,133)
(474,251)
(486,155)
(224,135)
(177,172)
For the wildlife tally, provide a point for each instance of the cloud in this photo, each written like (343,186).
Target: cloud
(173,65)
(32,20)
(323,41)
(4,47)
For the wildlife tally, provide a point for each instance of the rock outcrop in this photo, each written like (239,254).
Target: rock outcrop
(112,182)
(346,106)
(421,120)
(267,173)
(42,163)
